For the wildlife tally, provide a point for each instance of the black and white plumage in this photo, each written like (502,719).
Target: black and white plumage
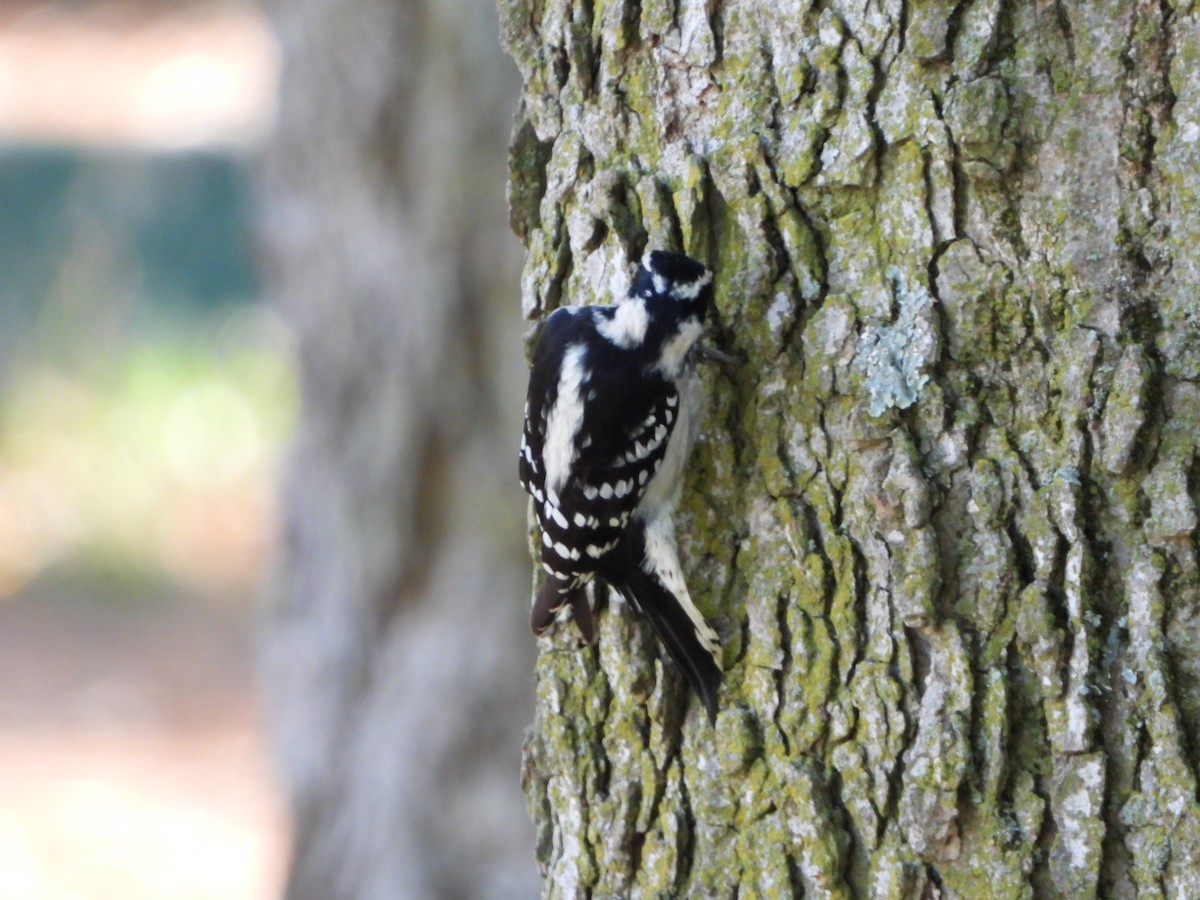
(611,416)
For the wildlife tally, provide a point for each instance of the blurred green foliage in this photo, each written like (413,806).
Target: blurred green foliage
(146,391)
(182,219)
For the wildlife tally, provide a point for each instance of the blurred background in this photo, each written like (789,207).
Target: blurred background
(146,392)
(150,384)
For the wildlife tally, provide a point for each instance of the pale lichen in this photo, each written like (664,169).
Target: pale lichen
(894,357)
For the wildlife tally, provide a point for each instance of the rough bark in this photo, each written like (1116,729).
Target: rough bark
(395,651)
(944,517)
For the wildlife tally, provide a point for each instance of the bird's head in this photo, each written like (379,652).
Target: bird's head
(674,285)
(676,293)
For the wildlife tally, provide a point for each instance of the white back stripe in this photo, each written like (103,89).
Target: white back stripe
(565,419)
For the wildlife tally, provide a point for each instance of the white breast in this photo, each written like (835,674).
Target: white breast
(663,490)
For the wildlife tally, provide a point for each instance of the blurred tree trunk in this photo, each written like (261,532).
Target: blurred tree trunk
(945,516)
(395,650)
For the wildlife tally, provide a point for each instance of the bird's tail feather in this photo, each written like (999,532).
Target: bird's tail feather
(674,628)
(551,598)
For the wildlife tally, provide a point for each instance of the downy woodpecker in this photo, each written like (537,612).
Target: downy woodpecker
(612,413)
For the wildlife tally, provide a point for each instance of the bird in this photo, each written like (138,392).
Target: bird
(611,415)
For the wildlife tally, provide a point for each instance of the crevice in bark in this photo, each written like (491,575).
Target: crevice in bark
(1022,551)
(637,841)
(878,82)
(1056,593)
(828,592)
(973,786)
(795,881)
(717,24)
(941,242)
(902,27)
(960,185)
(1041,877)
(855,644)
(1115,859)
(1149,438)
(953,28)
(935,878)
(1013,737)
(687,826)
(560,66)
(582,29)
(784,672)
(920,659)
(1004,37)
(849,873)
(1063,19)
(1167,32)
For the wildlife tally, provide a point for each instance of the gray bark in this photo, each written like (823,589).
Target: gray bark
(395,652)
(945,516)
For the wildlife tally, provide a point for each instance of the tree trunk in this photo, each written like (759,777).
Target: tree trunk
(395,651)
(944,516)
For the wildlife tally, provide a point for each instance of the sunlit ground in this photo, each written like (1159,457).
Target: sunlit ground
(131,762)
(140,430)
